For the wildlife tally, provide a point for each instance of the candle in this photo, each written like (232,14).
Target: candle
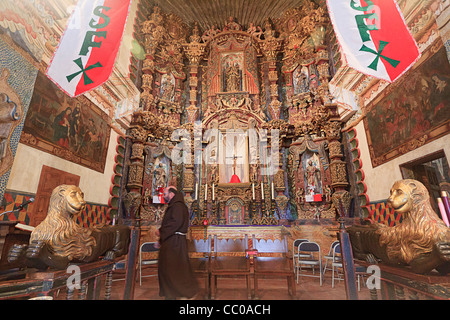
(446,203)
(206,192)
(213,193)
(273,192)
(443,213)
(262,191)
(196,191)
(253,191)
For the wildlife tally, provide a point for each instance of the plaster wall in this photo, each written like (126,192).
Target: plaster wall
(379,180)
(26,170)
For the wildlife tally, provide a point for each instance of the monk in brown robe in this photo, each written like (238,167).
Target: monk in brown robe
(176,279)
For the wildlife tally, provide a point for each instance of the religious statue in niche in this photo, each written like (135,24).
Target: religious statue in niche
(312,174)
(301,80)
(232,71)
(167,87)
(160,175)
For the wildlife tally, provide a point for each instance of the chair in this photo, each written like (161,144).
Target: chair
(329,256)
(360,271)
(312,248)
(275,263)
(147,247)
(295,252)
(222,264)
(200,258)
(336,263)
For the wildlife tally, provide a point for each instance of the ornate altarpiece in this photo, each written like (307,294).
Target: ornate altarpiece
(254,109)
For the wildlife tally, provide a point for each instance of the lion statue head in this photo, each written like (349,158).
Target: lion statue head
(421,227)
(65,237)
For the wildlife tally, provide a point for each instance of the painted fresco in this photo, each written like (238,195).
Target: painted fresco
(414,112)
(71,128)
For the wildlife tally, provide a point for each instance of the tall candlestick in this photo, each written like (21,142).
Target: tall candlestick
(196,191)
(273,192)
(253,191)
(446,203)
(213,193)
(262,191)
(206,192)
(443,212)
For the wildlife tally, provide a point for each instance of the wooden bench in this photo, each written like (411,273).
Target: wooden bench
(230,260)
(200,258)
(272,260)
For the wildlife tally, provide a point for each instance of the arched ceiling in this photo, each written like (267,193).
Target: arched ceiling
(215,12)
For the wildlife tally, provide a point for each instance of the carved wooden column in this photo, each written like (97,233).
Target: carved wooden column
(194,51)
(270,48)
(132,201)
(338,167)
(153,33)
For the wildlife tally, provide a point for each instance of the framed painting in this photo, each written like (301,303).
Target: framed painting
(411,112)
(74,129)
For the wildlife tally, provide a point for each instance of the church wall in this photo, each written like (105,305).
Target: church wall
(26,170)
(380,179)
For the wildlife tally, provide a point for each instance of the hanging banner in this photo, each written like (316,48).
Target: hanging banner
(88,48)
(374,37)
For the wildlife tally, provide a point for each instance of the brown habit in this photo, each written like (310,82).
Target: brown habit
(176,278)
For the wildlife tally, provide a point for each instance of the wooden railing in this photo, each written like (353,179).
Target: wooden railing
(46,284)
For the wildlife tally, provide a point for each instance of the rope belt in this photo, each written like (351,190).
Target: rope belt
(181,233)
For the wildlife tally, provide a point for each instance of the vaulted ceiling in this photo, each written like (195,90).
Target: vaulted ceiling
(215,12)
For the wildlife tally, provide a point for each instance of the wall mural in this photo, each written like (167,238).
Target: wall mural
(71,128)
(416,111)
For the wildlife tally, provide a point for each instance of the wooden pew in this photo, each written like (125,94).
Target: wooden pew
(200,258)
(272,261)
(230,260)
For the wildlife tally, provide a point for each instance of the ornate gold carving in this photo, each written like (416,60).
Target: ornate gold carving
(420,240)
(59,240)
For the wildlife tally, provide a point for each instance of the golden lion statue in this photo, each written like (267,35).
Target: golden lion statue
(421,240)
(59,240)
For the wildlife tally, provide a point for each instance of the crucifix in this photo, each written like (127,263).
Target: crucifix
(235,156)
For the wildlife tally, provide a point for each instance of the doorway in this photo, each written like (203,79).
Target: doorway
(433,171)
(50,178)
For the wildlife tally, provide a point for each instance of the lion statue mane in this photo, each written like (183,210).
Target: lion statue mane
(421,240)
(59,240)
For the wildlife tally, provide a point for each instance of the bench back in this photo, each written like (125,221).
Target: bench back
(270,246)
(230,245)
(199,246)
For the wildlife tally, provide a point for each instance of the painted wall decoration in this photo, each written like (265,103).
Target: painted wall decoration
(17,77)
(412,112)
(71,128)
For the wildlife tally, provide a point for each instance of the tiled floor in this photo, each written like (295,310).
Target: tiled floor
(235,289)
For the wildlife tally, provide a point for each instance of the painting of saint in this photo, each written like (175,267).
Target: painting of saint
(418,104)
(73,128)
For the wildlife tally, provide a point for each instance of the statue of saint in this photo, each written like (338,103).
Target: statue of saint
(233,78)
(160,177)
(312,176)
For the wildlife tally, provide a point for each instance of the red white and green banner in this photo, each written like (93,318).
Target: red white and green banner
(374,37)
(88,48)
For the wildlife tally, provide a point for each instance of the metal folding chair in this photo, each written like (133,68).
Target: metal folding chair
(310,248)
(147,247)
